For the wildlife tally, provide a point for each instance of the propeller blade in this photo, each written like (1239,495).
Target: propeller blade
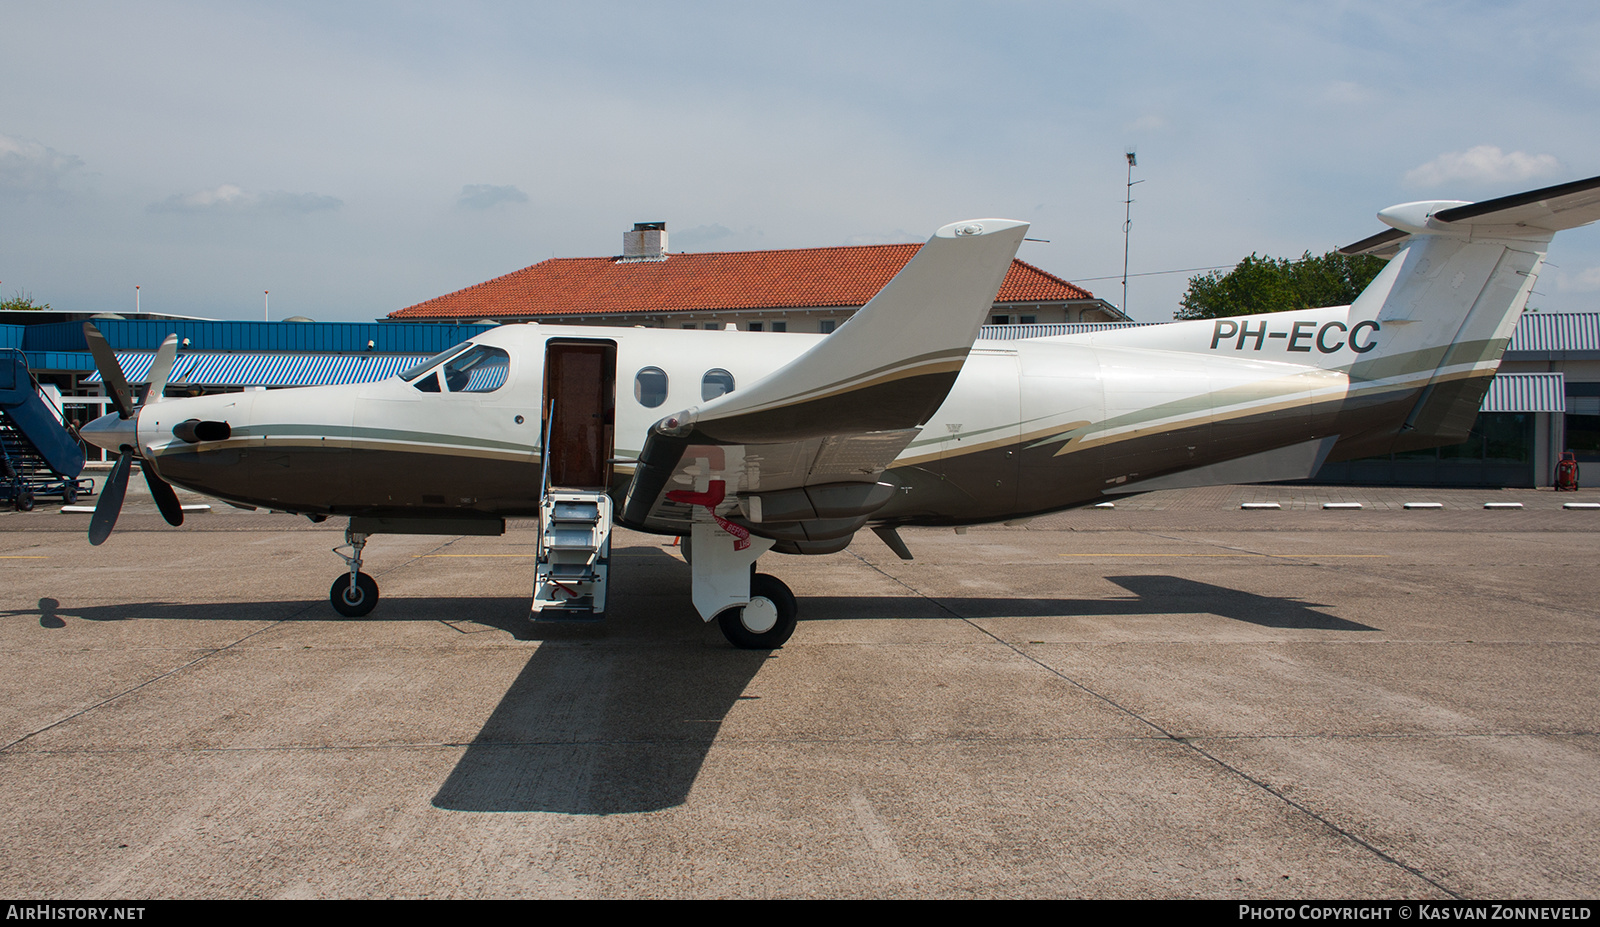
(161,369)
(166,499)
(110,504)
(110,373)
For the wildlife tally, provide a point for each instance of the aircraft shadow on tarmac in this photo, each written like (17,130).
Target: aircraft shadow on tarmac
(619,717)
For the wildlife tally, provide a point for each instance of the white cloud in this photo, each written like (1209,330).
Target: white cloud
(232,198)
(1347,93)
(1483,164)
(483,196)
(29,168)
(1584,281)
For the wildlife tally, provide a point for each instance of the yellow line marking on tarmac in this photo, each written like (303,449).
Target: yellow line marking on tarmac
(1321,556)
(421,556)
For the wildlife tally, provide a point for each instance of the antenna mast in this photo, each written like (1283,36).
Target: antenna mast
(1127,226)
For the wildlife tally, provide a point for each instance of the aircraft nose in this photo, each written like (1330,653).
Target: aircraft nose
(111,432)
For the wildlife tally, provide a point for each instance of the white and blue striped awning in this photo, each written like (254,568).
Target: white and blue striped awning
(1526,392)
(206,369)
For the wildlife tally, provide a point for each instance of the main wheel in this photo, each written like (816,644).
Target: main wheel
(767,622)
(354,602)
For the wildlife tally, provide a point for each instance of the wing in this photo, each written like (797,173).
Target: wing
(796,455)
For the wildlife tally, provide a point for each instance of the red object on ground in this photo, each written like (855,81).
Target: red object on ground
(1567,473)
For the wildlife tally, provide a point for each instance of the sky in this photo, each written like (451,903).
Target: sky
(356,158)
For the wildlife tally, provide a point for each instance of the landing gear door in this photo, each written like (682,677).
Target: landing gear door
(579,412)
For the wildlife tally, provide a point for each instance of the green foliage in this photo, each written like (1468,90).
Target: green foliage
(1261,284)
(21,301)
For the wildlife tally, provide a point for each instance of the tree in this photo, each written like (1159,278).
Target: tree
(1260,283)
(21,301)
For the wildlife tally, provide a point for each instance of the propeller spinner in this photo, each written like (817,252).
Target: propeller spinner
(119,432)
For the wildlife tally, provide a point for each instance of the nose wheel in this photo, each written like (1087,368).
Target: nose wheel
(354,594)
(767,622)
(354,599)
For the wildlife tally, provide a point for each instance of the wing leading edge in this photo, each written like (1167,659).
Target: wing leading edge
(800,450)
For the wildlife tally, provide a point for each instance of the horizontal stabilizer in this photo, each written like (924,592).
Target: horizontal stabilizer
(1534,214)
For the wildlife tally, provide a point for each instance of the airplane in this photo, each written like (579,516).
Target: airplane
(792,443)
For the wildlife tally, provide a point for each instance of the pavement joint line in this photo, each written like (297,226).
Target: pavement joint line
(1186,742)
(1183,739)
(1480,593)
(154,679)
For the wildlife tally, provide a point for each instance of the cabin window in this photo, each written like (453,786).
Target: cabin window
(480,370)
(650,387)
(715,383)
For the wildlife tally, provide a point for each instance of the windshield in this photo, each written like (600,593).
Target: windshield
(423,367)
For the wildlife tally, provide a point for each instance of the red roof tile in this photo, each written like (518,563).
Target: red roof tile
(796,278)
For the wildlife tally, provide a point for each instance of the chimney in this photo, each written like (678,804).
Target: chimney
(647,242)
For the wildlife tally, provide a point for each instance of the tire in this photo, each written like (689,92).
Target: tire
(770,602)
(69,495)
(357,602)
(25,500)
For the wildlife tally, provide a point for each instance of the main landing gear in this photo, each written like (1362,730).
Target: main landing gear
(354,594)
(755,611)
(767,621)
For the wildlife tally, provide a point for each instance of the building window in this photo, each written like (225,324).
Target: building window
(650,387)
(716,382)
(1027,319)
(1000,320)
(687,325)
(828,325)
(755,326)
(780,326)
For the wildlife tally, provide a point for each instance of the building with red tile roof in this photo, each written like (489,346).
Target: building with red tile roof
(798,289)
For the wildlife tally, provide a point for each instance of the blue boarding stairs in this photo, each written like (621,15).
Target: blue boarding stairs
(38,456)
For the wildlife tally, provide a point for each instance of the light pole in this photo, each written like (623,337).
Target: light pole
(1127,226)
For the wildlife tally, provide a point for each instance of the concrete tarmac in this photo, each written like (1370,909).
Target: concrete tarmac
(1171,699)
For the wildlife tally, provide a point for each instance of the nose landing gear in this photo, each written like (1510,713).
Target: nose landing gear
(354,594)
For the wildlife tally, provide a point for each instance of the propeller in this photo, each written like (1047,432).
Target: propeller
(126,428)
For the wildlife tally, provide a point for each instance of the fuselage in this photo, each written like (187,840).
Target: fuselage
(1030,426)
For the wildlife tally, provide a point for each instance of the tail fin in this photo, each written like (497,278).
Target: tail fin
(1446,305)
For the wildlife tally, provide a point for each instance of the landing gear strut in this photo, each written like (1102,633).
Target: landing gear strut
(354,594)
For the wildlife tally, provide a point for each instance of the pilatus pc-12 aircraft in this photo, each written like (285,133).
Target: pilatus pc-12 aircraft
(792,443)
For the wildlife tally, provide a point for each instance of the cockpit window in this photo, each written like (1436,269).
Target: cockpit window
(428,384)
(480,370)
(426,365)
(716,382)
